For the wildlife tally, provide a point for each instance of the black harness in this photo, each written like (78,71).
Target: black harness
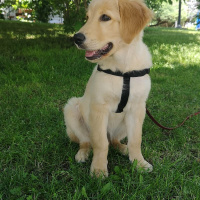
(126,83)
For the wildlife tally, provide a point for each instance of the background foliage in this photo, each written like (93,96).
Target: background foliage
(168,13)
(73,11)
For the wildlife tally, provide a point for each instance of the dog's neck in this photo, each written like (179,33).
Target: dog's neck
(128,57)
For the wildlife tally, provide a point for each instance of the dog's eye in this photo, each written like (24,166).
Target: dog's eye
(105,18)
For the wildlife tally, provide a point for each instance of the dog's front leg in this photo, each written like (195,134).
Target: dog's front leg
(134,121)
(98,135)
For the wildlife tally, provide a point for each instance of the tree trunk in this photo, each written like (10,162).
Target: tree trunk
(85,4)
(77,2)
(66,12)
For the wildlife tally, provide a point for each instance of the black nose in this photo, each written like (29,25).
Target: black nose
(79,38)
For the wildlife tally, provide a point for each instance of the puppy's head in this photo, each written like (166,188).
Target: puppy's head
(109,24)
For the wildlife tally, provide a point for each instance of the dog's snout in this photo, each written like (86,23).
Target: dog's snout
(79,38)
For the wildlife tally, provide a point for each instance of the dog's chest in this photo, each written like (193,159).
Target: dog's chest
(107,89)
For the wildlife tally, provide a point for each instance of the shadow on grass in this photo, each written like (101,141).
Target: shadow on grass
(26,34)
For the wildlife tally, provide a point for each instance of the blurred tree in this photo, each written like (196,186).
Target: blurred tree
(168,13)
(156,4)
(73,12)
(42,9)
(198,4)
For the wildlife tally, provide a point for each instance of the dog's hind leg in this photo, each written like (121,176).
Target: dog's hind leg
(72,136)
(123,149)
(76,129)
(83,152)
(116,143)
(115,137)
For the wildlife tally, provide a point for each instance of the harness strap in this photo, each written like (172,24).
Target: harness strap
(134,73)
(124,95)
(126,83)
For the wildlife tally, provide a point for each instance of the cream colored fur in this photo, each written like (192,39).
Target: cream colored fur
(91,120)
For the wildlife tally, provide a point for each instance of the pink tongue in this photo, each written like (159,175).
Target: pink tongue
(89,53)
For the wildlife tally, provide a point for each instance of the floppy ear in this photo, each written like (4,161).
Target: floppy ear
(134,16)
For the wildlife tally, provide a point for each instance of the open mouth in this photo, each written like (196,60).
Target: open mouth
(93,55)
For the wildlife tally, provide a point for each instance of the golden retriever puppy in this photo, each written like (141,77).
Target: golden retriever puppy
(112,38)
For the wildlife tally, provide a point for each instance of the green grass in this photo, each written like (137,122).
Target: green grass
(40,70)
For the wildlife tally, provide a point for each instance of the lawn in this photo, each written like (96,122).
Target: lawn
(40,69)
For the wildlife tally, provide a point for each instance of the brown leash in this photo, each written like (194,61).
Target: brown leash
(167,128)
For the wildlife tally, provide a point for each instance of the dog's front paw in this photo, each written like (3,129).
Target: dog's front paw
(101,172)
(82,155)
(143,165)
